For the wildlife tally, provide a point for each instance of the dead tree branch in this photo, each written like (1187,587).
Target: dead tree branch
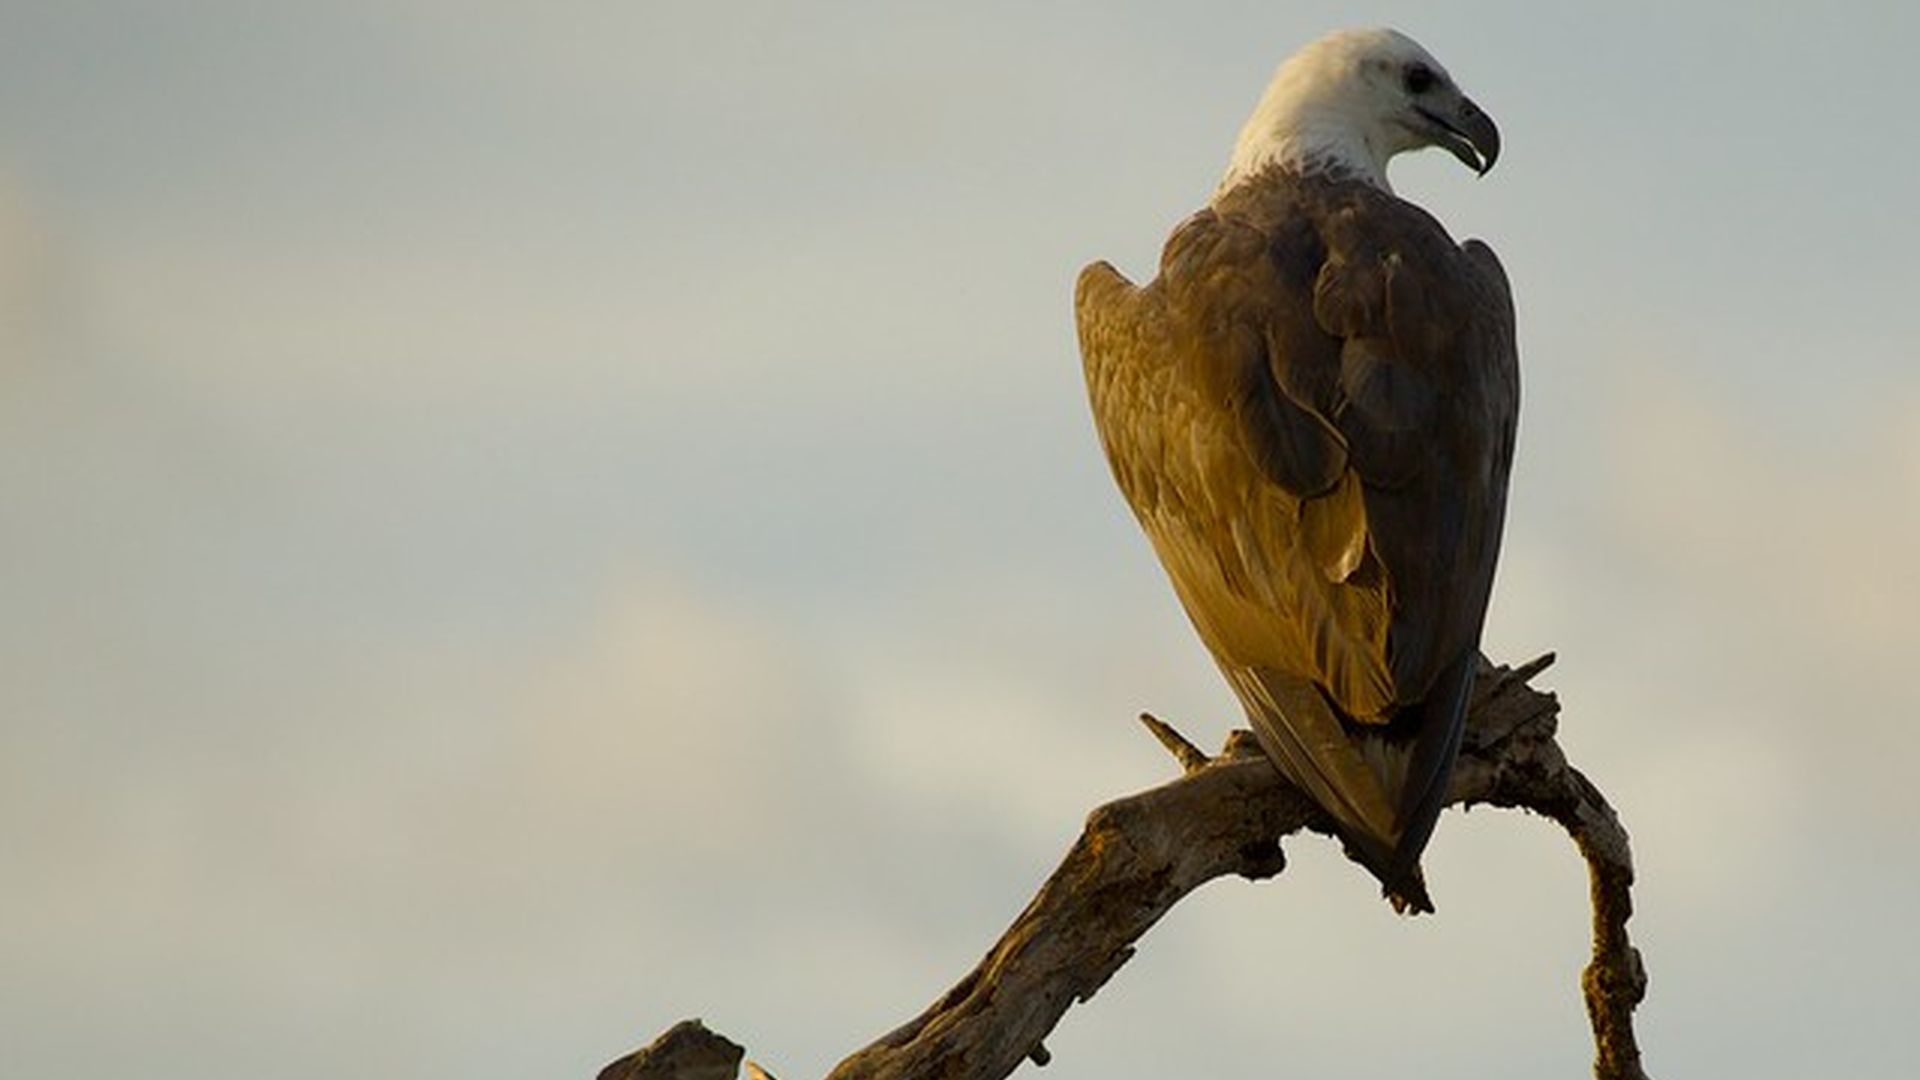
(1225,815)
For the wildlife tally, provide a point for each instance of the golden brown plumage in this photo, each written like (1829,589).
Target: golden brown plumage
(1311,412)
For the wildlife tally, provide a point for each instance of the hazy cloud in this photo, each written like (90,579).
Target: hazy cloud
(521,529)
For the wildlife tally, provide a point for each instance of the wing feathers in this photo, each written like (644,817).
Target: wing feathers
(1310,411)
(1388,414)
(1303,736)
(1301,450)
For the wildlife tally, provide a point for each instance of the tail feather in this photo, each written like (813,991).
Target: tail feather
(1437,724)
(1384,786)
(1310,746)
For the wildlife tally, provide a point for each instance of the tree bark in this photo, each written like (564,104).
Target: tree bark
(1139,855)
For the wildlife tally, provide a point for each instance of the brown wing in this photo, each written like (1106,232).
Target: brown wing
(1244,488)
(1429,394)
(1310,412)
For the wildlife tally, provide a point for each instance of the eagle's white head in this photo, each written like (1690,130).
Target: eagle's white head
(1347,103)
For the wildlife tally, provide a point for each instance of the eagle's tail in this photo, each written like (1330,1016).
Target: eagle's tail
(1383,785)
(1433,727)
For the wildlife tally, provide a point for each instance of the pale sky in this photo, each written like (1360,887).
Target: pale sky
(525,524)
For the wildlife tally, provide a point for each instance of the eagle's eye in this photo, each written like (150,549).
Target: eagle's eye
(1420,78)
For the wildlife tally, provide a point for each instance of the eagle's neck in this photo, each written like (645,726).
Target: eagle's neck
(1309,135)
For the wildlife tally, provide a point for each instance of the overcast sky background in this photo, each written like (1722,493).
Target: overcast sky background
(521,524)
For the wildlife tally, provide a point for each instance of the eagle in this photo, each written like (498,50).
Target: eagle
(1311,412)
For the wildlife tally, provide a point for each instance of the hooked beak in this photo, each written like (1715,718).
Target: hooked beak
(1466,133)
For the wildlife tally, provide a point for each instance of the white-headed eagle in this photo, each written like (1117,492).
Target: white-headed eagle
(1311,411)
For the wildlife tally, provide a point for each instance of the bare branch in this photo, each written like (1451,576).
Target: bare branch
(1139,855)
(688,1051)
(1190,757)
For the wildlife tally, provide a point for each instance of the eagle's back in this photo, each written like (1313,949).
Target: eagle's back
(1311,412)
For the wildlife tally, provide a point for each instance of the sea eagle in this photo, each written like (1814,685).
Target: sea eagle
(1311,412)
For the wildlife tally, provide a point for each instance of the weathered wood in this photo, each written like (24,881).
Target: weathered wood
(1139,855)
(687,1051)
